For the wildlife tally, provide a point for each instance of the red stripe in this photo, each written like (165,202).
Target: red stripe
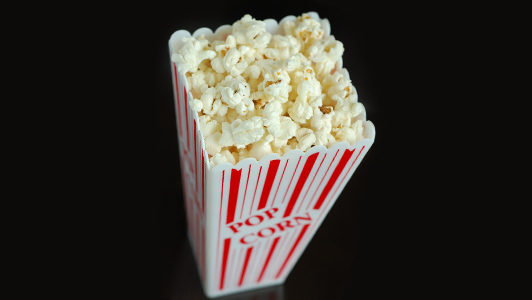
(268,258)
(227,245)
(349,170)
(238,263)
(270,177)
(280,181)
(256,186)
(339,168)
(326,172)
(246,260)
(310,186)
(309,164)
(291,180)
(220,218)
(245,192)
(257,256)
(323,210)
(284,245)
(186,116)
(233,194)
(177,100)
(292,250)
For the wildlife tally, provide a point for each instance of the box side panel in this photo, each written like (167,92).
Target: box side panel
(192,168)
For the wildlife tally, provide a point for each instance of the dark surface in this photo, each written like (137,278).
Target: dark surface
(367,245)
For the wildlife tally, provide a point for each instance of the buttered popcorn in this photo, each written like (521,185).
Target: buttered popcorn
(257,93)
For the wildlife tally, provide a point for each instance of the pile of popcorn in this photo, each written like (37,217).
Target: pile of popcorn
(257,93)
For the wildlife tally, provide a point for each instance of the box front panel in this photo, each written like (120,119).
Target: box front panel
(268,212)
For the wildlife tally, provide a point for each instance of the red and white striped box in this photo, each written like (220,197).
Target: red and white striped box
(248,224)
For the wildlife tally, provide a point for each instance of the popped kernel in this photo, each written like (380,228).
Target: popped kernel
(192,54)
(258,93)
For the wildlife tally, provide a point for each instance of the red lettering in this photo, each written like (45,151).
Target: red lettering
(259,217)
(243,239)
(271,211)
(235,226)
(287,224)
(271,229)
(308,218)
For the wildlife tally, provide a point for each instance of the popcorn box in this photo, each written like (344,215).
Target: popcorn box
(249,223)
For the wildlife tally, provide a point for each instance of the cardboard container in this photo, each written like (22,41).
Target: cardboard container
(248,224)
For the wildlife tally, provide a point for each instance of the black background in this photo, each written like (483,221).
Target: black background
(377,239)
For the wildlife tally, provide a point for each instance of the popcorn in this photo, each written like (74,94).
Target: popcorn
(287,131)
(268,65)
(288,128)
(305,29)
(212,77)
(358,128)
(192,54)
(305,90)
(197,105)
(324,139)
(222,157)
(294,62)
(301,111)
(227,135)
(232,115)
(351,134)
(311,89)
(306,138)
(197,82)
(325,53)
(342,117)
(346,134)
(249,31)
(253,72)
(322,118)
(233,61)
(208,126)
(235,93)
(211,143)
(258,93)
(246,132)
(272,117)
(261,148)
(340,89)
(277,84)
(241,133)
(229,156)
(230,57)
(285,46)
(243,154)
(221,48)
(291,145)
(219,108)
(207,99)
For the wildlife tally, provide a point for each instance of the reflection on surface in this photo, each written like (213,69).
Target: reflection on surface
(185,283)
